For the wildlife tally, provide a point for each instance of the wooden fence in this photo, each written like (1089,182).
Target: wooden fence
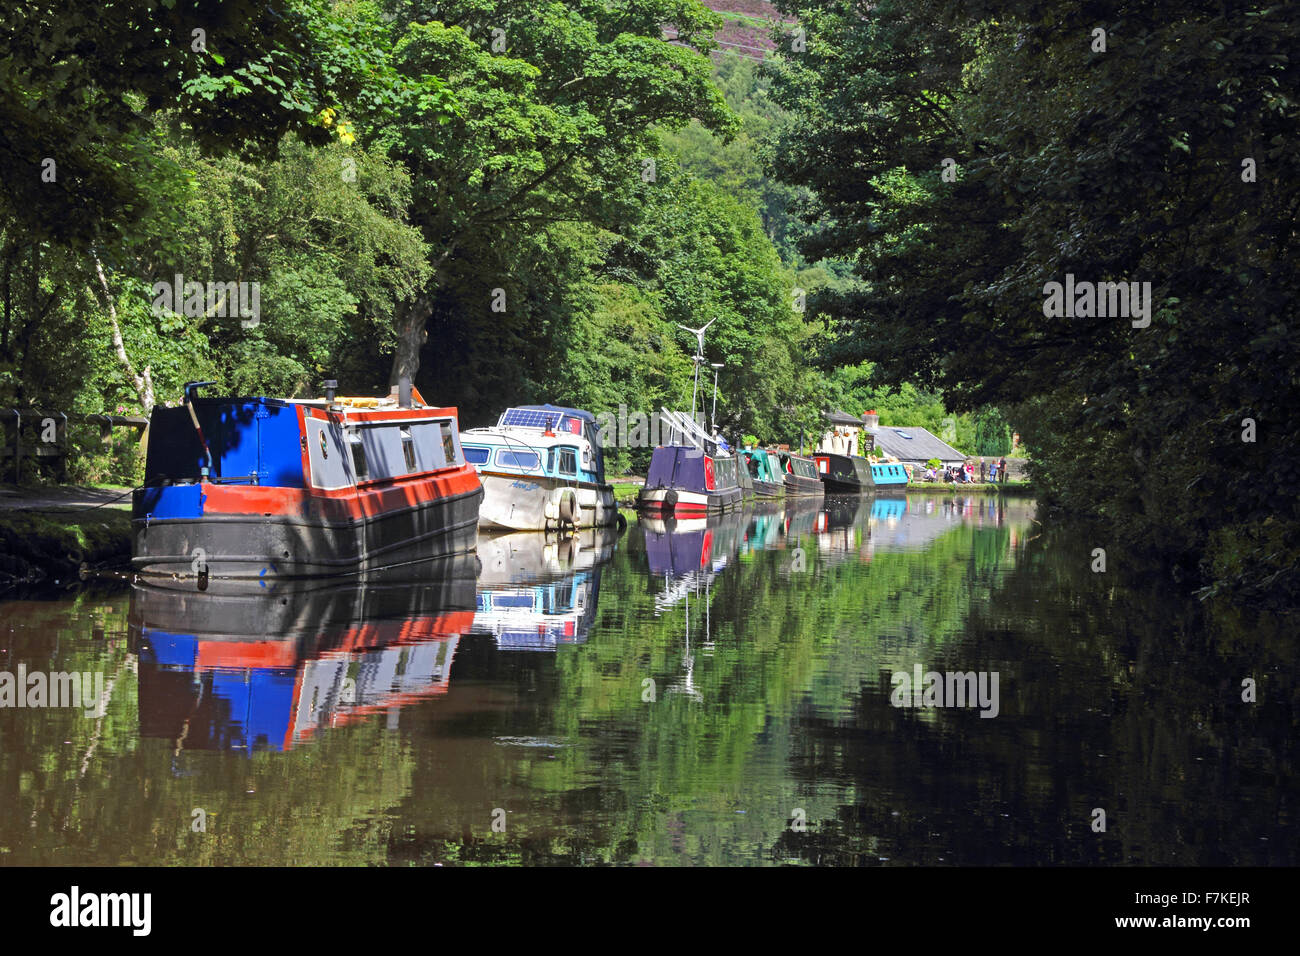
(43,435)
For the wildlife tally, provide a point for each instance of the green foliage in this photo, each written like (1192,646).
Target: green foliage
(738,166)
(1127,166)
(992,433)
(80,85)
(855,388)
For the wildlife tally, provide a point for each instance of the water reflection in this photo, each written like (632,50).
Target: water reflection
(538,591)
(241,666)
(699,682)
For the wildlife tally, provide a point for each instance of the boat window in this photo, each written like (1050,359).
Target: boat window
(408,450)
(358,457)
(382,451)
(568,461)
(476,455)
(725,469)
(448,444)
(526,460)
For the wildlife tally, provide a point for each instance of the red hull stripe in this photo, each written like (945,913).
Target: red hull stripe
(371,499)
(241,655)
(681,509)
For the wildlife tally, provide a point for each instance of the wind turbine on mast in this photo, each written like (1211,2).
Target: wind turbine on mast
(698,358)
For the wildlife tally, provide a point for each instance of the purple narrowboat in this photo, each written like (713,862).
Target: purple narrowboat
(686,482)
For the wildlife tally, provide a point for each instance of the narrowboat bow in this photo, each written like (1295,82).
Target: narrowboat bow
(801,479)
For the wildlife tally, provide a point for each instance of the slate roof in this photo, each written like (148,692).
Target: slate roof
(838,417)
(921,446)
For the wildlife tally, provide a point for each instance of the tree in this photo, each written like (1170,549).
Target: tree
(81,84)
(965,157)
(557,107)
(992,433)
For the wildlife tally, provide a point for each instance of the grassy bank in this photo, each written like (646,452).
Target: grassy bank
(1018,488)
(51,547)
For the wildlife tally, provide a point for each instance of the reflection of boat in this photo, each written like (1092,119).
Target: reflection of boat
(842,510)
(766,521)
(536,592)
(888,507)
(801,479)
(539,617)
(244,667)
(839,532)
(687,553)
(542,469)
(801,517)
(528,556)
(270,488)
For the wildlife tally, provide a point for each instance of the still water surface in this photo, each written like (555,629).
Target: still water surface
(704,693)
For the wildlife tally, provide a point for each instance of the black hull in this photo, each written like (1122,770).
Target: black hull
(769,489)
(839,486)
(306,611)
(270,547)
(797,486)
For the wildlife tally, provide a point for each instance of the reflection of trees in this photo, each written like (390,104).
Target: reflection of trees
(1118,698)
(1112,696)
(782,644)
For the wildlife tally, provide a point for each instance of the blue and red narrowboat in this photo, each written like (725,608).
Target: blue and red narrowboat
(270,488)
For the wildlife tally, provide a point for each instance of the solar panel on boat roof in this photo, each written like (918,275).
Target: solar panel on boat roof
(530,418)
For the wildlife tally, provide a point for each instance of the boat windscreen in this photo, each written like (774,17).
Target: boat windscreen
(725,471)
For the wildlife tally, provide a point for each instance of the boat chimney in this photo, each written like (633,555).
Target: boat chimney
(330,385)
(404,391)
(871,419)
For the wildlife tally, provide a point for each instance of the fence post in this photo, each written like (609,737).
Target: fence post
(67,447)
(18,447)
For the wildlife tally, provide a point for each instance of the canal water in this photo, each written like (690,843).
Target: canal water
(721,692)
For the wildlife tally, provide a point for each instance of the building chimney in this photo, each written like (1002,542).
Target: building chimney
(871,419)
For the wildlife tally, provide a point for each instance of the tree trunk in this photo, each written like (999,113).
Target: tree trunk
(143,382)
(411,336)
